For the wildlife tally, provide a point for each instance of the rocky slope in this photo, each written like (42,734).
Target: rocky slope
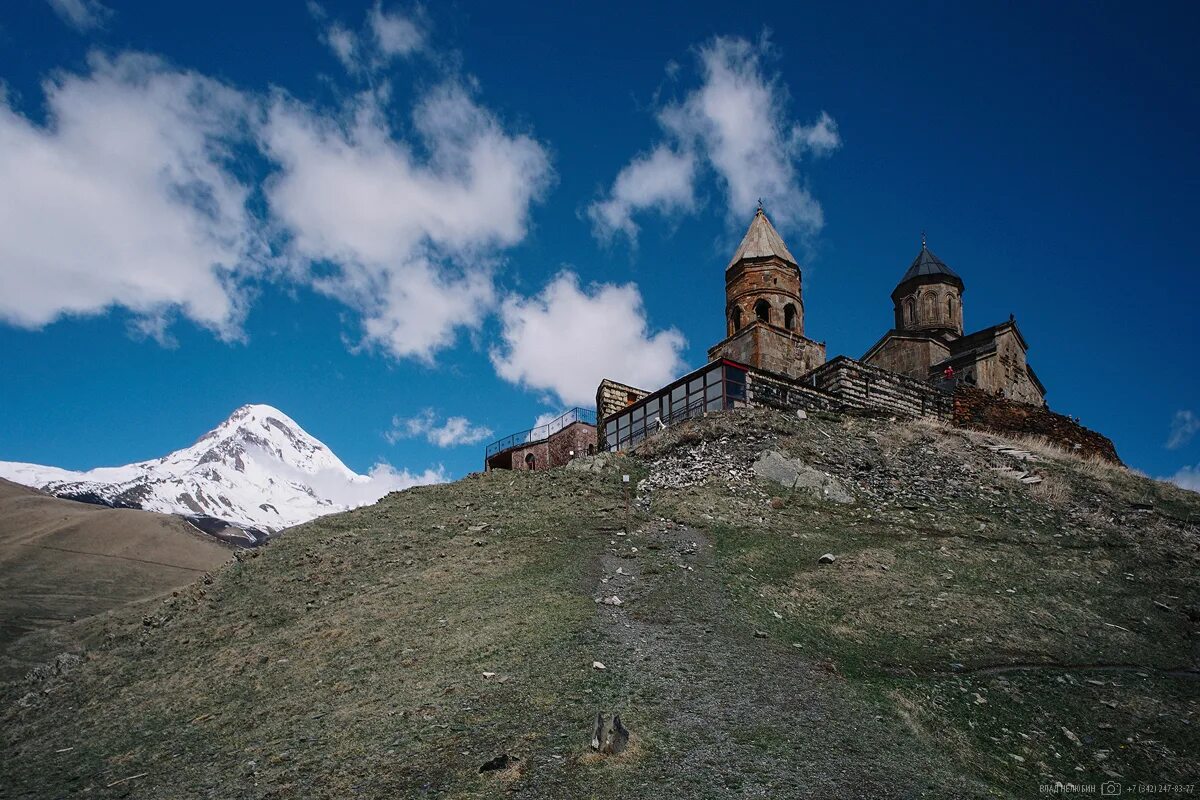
(258,470)
(830,607)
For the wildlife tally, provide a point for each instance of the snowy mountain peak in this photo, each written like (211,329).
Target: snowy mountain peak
(258,468)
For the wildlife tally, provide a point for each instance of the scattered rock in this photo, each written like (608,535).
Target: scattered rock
(598,665)
(776,503)
(611,600)
(828,558)
(760,634)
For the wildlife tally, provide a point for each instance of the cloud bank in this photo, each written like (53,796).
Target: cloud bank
(124,198)
(734,126)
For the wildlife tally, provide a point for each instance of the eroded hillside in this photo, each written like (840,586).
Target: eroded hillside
(979,632)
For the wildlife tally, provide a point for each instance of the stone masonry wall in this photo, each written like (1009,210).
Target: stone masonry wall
(974,408)
(541,456)
(575,438)
(611,397)
(861,386)
(765,390)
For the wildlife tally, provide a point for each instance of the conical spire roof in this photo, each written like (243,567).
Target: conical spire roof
(927,264)
(762,241)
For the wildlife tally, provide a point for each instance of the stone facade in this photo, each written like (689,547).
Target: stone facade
(611,397)
(908,355)
(576,439)
(770,348)
(975,408)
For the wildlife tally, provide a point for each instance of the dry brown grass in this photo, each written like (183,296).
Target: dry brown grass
(1052,491)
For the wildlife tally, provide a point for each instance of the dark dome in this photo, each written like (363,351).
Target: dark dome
(927,265)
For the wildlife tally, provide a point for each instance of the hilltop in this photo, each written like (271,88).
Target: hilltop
(996,615)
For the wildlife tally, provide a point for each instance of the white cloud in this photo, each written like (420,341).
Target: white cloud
(450,433)
(565,339)
(1184,427)
(1187,478)
(82,15)
(737,123)
(395,34)
(384,36)
(410,227)
(361,490)
(123,199)
(821,137)
(344,44)
(661,180)
(547,418)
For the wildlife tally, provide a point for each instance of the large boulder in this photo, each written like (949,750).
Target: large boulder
(800,477)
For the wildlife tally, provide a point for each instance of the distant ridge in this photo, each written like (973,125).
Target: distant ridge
(258,470)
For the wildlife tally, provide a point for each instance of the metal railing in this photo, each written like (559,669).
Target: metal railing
(537,434)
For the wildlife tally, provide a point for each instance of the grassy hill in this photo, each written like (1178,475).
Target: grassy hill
(976,635)
(61,560)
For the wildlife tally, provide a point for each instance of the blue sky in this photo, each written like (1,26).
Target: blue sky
(380,218)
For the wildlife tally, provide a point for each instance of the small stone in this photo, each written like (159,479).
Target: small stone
(828,558)
(760,634)
(479,542)
(611,600)
(598,665)
(776,503)
(489,674)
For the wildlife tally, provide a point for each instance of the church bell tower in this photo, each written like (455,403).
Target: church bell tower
(764,309)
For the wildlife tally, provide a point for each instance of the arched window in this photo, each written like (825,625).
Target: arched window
(591,449)
(930,307)
(737,319)
(910,311)
(950,310)
(530,461)
(762,310)
(789,317)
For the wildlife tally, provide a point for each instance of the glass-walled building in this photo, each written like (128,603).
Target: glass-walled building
(715,387)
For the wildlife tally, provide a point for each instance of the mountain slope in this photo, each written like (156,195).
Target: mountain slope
(978,634)
(61,560)
(258,469)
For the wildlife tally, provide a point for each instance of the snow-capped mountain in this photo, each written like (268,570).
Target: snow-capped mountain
(257,469)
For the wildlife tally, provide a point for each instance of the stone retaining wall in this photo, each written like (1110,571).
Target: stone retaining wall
(860,386)
(974,408)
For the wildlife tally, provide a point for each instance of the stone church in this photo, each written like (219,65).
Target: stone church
(925,366)
(764,316)
(928,343)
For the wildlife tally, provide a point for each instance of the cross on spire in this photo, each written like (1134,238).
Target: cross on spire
(922,238)
(760,205)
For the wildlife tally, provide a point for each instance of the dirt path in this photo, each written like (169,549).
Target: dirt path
(745,714)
